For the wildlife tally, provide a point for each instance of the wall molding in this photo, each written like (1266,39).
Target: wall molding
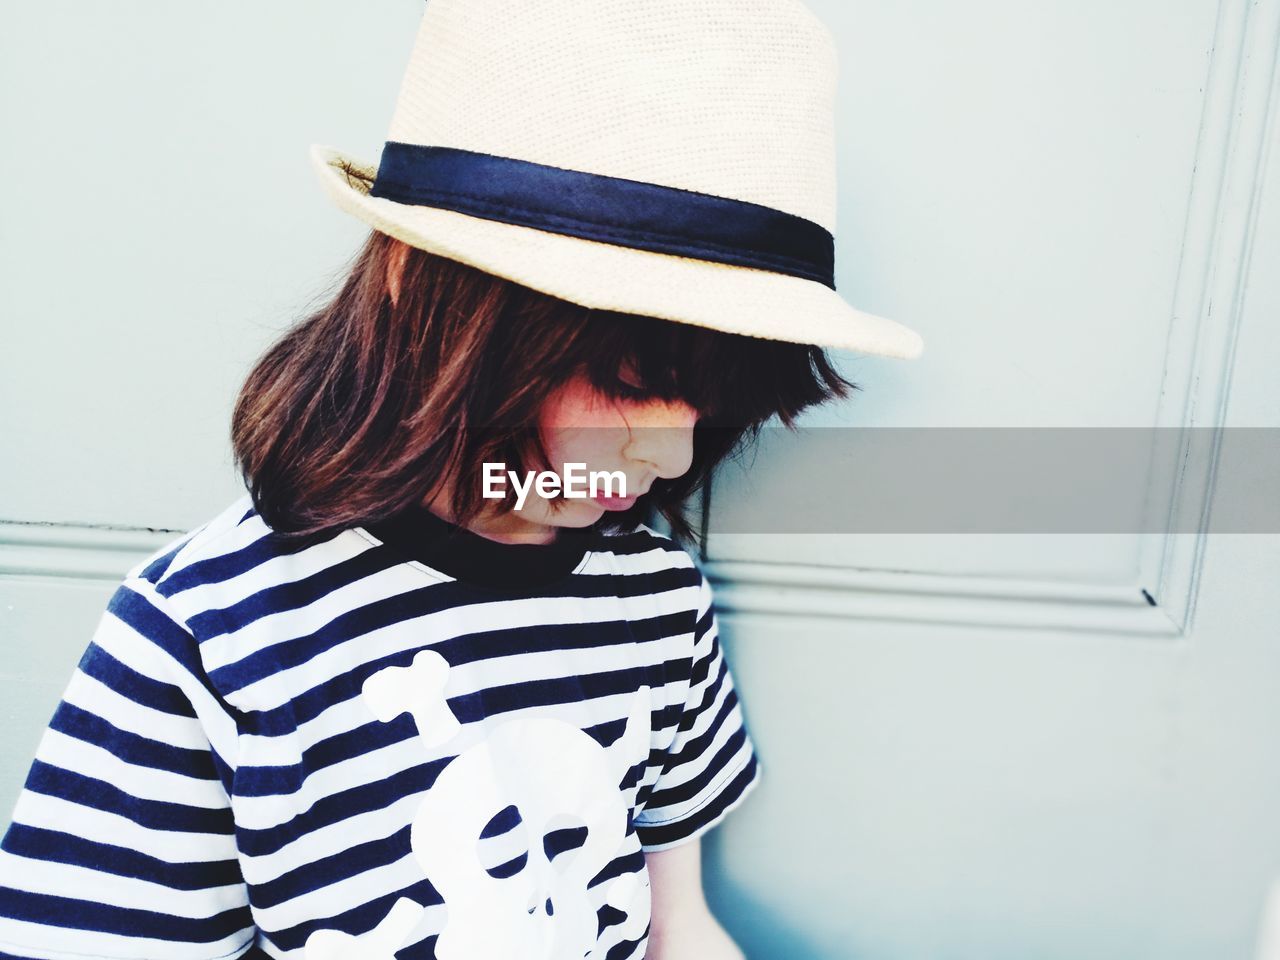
(792,590)
(104,553)
(76,551)
(1237,124)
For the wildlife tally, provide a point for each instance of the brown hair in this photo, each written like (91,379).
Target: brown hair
(342,418)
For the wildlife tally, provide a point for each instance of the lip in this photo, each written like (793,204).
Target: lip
(617,503)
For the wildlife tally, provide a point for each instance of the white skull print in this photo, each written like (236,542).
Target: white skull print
(548,775)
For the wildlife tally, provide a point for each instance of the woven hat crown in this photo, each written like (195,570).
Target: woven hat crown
(733,98)
(669,158)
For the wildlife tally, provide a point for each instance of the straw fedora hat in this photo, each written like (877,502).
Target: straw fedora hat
(673,158)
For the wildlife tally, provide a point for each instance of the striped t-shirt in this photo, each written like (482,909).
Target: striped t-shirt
(397,740)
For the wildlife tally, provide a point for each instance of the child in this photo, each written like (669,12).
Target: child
(367,712)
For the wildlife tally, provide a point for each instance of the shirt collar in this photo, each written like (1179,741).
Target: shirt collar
(418,534)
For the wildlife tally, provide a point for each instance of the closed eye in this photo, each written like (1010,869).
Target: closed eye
(631,391)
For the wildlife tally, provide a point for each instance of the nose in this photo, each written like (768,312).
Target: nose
(661,435)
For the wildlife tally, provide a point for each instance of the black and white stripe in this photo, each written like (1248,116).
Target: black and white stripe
(212,778)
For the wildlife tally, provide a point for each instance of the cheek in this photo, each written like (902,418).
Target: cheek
(576,405)
(596,445)
(576,445)
(579,426)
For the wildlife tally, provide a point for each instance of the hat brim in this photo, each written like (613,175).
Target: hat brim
(604,276)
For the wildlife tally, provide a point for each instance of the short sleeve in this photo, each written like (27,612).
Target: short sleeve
(121,844)
(711,764)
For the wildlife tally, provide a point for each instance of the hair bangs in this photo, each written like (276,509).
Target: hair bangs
(731,379)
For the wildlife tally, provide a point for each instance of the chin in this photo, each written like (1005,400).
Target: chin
(577,514)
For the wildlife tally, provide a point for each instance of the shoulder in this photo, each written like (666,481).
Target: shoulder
(232,556)
(666,565)
(647,542)
(179,551)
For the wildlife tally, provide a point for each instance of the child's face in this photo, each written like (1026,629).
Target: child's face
(642,439)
